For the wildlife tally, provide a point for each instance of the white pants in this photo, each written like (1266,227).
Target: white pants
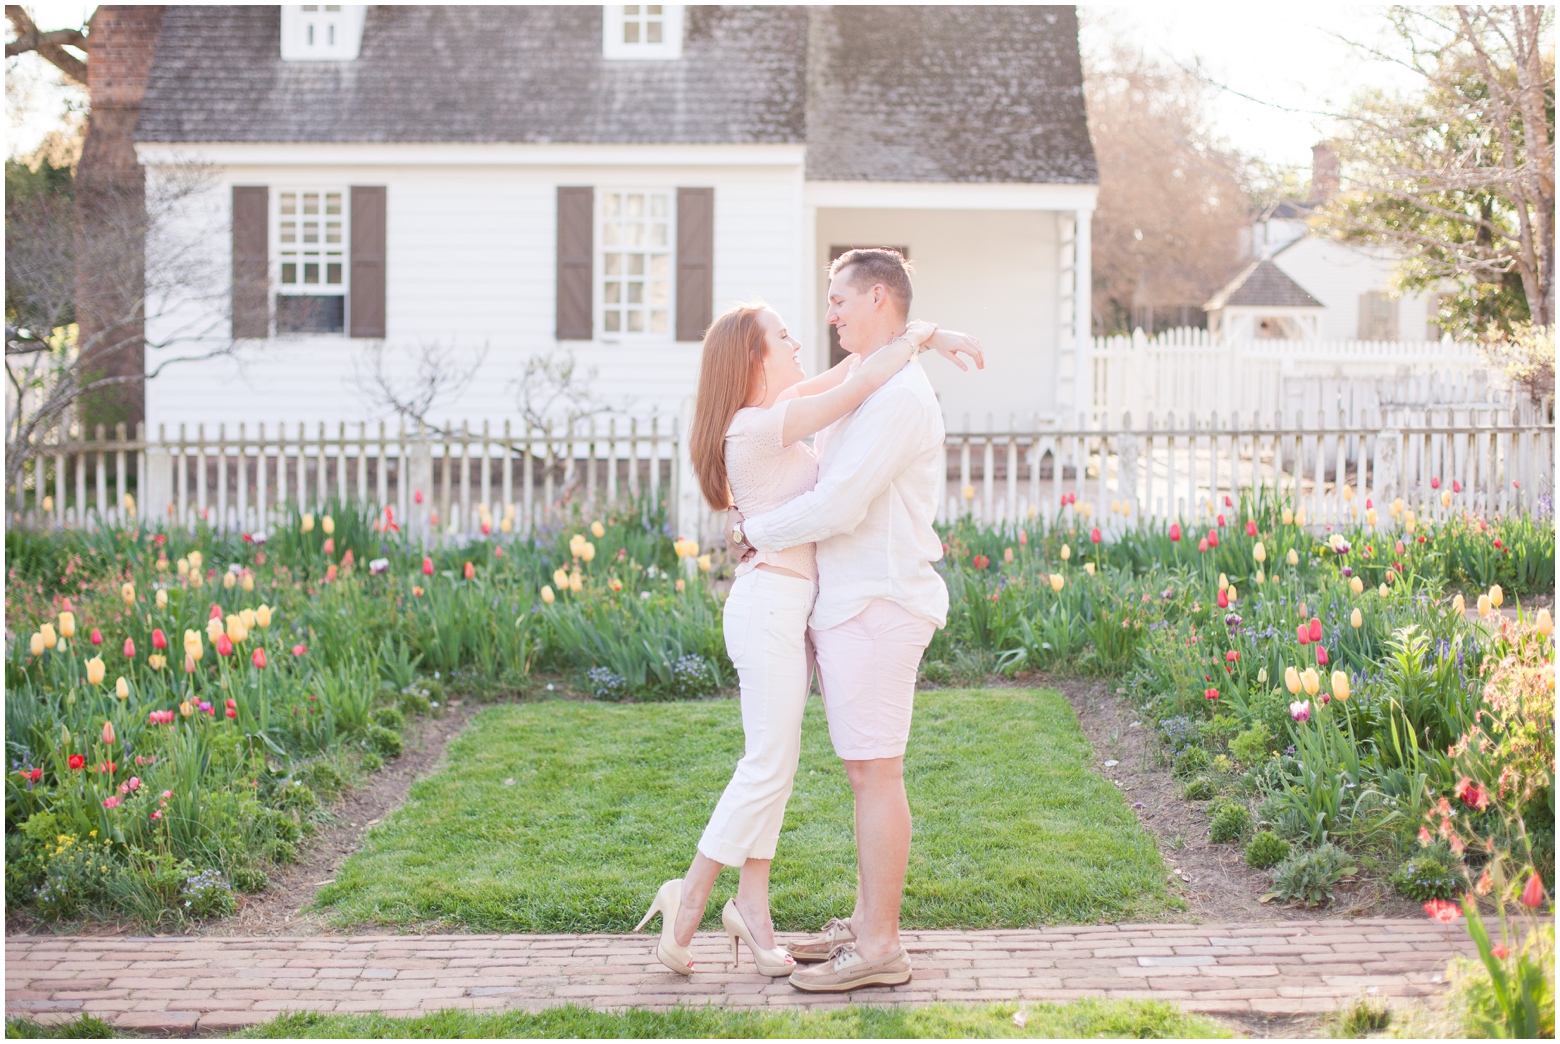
(766,636)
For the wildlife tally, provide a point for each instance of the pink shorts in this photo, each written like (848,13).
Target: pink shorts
(867,666)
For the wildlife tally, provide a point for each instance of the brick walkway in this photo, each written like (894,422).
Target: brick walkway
(181,984)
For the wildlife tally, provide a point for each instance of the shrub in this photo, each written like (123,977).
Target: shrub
(298,797)
(1179,733)
(607,684)
(694,676)
(415,702)
(1266,850)
(1230,823)
(1199,789)
(207,894)
(382,741)
(1308,877)
(1426,877)
(251,878)
(935,672)
(1251,746)
(1189,762)
(322,778)
(389,718)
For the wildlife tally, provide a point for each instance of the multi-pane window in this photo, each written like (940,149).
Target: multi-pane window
(311,250)
(1378,317)
(636,262)
(642,31)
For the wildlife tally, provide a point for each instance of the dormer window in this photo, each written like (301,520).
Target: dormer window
(644,32)
(321,32)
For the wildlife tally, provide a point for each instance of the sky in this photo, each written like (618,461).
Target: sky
(1288,56)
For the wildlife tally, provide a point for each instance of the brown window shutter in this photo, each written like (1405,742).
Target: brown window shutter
(367,302)
(251,261)
(695,262)
(576,262)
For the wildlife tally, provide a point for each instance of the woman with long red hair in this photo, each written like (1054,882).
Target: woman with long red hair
(755,405)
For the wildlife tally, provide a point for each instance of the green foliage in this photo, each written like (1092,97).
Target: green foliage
(1426,877)
(1362,1018)
(1190,761)
(1307,877)
(1251,745)
(1199,789)
(1265,850)
(1512,996)
(1229,824)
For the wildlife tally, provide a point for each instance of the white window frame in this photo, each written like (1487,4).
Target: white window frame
(322,32)
(614,47)
(602,277)
(300,250)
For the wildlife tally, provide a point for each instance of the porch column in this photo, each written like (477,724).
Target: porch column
(1083,311)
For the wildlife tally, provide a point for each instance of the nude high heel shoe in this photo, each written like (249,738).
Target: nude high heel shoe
(667,900)
(770,962)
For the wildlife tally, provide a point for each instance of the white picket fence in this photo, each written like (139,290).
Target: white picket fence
(1168,467)
(1190,371)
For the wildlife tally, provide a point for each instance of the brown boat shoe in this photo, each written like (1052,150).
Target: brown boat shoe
(834,935)
(847,970)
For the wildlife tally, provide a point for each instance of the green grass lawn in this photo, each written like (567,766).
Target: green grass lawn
(566,816)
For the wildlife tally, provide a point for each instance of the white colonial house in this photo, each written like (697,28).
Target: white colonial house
(503,183)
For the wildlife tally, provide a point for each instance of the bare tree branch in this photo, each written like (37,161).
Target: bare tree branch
(50,46)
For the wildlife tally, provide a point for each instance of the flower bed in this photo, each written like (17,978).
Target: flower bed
(178,705)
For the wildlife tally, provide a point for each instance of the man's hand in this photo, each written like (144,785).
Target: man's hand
(738,552)
(950,344)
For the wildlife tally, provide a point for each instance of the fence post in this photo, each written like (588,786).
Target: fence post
(1388,449)
(157,482)
(420,478)
(1127,465)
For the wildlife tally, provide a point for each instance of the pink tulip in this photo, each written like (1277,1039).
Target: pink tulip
(1316,629)
(1533,894)
(258,658)
(224,645)
(112,801)
(1175,531)
(427,567)
(1094,535)
(1251,529)
(1321,656)
(96,637)
(299,649)
(129,648)
(1303,633)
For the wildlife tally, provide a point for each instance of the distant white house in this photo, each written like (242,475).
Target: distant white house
(512,181)
(1299,284)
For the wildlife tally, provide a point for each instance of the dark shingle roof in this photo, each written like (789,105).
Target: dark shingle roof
(876,93)
(947,94)
(1262,283)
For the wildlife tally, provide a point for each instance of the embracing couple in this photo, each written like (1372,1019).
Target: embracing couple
(836,550)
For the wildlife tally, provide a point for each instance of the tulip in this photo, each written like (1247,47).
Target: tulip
(1533,893)
(48,504)
(1066,552)
(1088,567)
(67,624)
(1057,581)
(547,594)
(1260,578)
(1023,538)
(1316,629)
(250,618)
(1310,681)
(224,645)
(1220,520)
(1484,605)
(1289,517)
(1213,538)
(127,592)
(1233,594)
(1094,535)
(96,670)
(263,616)
(216,613)
(1007,555)
(193,649)
(308,523)
(968,492)
(50,639)
(1293,558)
(157,661)
(1175,531)
(300,649)
(327,524)
(576,583)
(329,547)
(1543,624)
(236,630)
(184,567)
(615,585)
(1202,544)
(1258,553)
(1458,605)
(1496,596)
(214,627)
(35,643)
(330,574)
(1292,681)
(1300,710)
(1356,585)
(1224,599)
(1340,685)
(1382,590)
(470,571)
(108,733)
(561,577)
(598,530)
(229,581)
(1211,694)
(1251,529)
(1443,910)
(1321,656)
(76,761)
(1303,634)
(1371,517)
(1356,619)
(258,658)
(1232,656)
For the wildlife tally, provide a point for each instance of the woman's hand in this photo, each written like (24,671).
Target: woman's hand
(919,332)
(950,344)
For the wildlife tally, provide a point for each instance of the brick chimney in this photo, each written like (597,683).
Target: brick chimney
(1324,173)
(110,212)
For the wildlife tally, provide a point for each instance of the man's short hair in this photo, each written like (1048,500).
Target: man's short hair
(877,265)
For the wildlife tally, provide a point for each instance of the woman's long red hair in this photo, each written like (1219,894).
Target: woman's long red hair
(729,375)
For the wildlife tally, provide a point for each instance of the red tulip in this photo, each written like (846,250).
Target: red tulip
(980,561)
(1211,694)
(1251,528)
(1435,483)
(231,712)
(1369,503)
(108,734)
(1443,910)
(1224,599)
(224,645)
(77,761)
(427,567)
(471,571)
(35,775)
(258,658)
(1303,633)
(1202,545)
(96,637)
(1213,538)
(129,648)
(1321,656)
(1456,486)
(1220,519)
(299,649)
(1471,794)
(1175,531)
(159,640)
(1533,894)
(330,546)
(330,574)
(1316,629)
(1023,538)
(417,496)
(215,614)
(1500,952)
(1094,535)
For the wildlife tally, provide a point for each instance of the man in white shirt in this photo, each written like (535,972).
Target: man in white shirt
(879,602)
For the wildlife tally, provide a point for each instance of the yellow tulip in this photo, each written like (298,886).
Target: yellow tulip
(1233,594)
(263,615)
(1382,590)
(1340,685)
(681,586)
(1497,596)
(704,563)
(1370,517)
(35,644)
(194,649)
(968,492)
(162,563)
(1293,558)
(547,594)
(1260,578)
(561,577)
(246,580)
(1356,585)
(506,525)
(1356,619)
(588,551)
(197,579)
(1057,581)
(1289,517)
(236,629)
(327,524)
(1292,681)
(1397,507)
(162,599)
(50,639)
(95,671)
(1459,605)
(122,688)
(1088,567)
(197,559)
(214,627)
(1348,492)
(184,567)
(598,530)
(308,523)
(1259,553)
(1300,517)
(1446,498)
(1543,624)
(576,542)
(1484,605)
(186,708)
(127,592)
(48,504)
(1410,525)
(67,624)
(157,661)
(229,581)
(248,616)
(576,584)
(1066,552)
(130,503)
(615,585)
(1310,681)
